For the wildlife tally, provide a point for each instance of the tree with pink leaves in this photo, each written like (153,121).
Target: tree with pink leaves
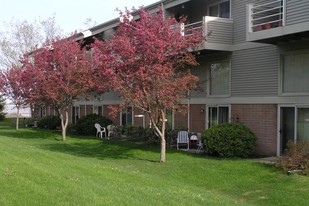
(56,75)
(148,63)
(11,84)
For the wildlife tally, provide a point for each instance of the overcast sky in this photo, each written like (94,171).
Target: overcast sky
(70,14)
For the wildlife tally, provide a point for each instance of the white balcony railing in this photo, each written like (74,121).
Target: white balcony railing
(218,32)
(266,16)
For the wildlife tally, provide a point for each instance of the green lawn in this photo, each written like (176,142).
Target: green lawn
(37,168)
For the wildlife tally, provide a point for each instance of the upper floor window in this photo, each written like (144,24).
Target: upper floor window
(219,82)
(221,9)
(295,73)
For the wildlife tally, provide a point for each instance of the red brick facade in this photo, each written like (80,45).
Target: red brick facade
(262,120)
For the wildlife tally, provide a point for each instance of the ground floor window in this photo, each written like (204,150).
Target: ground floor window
(42,111)
(218,115)
(75,114)
(170,119)
(97,110)
(127,116)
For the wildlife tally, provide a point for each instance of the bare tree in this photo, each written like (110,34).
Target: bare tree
(23,37)
(19,38)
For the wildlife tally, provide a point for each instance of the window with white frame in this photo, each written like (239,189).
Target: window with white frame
(221,9)
(219,81)
(303,124)
(75,114)
(218,115)
(170,119)
(295,73)
(127,116)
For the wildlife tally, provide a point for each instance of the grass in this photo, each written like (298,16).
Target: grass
(37,168)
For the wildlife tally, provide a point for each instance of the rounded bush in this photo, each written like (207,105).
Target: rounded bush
(229,140)
(49,122)
(85,125)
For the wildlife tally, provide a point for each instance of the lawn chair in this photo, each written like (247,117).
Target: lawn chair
(111,131)
(100,130)
(199,143)
(183,139)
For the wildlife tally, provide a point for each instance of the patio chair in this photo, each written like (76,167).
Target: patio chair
(111,131)
(183,139)
(100,130)
(199,143)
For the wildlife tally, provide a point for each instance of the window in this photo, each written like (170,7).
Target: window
(295,68)
(42,111)
(294,125)
(75,114)
(218,115)
(127,116)
(303,124)
(219,83)
(170,119)
(97,110)
(220,10)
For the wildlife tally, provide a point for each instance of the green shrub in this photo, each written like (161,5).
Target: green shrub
(85,125)
(140,134)
(295,158)
(229,140)
(171,136)
(49,122)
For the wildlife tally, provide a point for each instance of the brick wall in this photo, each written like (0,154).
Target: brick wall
(262,120)
(197,117)
(107,113)
(180,120)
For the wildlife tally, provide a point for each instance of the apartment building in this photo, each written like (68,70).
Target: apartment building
(254,69)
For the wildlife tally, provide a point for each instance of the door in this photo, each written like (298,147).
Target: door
(287,126)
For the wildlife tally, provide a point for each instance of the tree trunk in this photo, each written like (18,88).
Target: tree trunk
(163,141)
(17,118)
(161,134)
(64,116)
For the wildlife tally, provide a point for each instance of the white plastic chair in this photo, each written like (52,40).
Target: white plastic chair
(199,143)
(100,130)
(183,139)
(111,131)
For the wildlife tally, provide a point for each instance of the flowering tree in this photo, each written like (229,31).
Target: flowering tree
(12,88)
(147,63)
(56,75)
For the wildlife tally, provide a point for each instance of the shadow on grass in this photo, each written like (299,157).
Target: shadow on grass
(88,146)
(28,133)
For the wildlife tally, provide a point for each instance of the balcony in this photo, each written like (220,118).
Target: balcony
(276,21)
(218,32)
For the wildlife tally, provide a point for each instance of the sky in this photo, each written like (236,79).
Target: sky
(70,14)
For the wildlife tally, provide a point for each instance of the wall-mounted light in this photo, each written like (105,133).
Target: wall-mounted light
(237,118)
(202,110)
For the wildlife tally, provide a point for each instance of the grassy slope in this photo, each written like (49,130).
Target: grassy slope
(36,168)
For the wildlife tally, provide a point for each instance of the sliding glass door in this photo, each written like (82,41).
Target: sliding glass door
(294,125)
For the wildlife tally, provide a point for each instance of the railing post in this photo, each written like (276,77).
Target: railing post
(182,29)
(205,30)
(284,12)
(249,18)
